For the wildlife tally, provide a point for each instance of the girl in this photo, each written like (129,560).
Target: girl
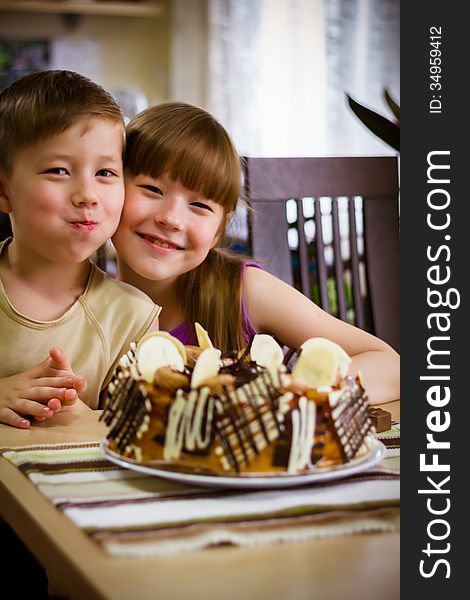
(182,185)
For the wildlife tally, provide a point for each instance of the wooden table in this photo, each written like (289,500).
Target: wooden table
(348,567)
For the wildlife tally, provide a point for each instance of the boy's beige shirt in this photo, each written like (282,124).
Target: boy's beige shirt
(95,332)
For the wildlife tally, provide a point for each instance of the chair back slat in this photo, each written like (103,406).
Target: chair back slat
(320,258)
(355,267)
(302,250)
(338,262)
(345,259)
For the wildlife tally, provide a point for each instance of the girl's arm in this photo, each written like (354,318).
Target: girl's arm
(278,309)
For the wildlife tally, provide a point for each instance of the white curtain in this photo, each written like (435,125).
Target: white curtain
(279,70)
(267,74)
(275,72)
(363,58)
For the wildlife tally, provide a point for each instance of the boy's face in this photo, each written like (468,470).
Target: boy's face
(65,194)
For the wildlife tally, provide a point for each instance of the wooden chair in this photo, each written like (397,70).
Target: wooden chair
(330,227)
(5,226)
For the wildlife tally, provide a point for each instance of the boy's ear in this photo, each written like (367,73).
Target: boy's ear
(4,200)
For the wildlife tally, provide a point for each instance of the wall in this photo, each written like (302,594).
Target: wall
(189,52)
(123,52)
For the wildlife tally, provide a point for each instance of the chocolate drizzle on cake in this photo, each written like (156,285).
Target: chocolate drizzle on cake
(127,404)
(248,420)
(133,416)
(343,423)
(351,419)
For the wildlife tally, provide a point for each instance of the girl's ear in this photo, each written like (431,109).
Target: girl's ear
(5,205)
(222,230)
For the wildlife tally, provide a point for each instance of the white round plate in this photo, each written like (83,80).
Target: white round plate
(374,455)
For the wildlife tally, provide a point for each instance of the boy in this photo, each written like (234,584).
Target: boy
(61,181)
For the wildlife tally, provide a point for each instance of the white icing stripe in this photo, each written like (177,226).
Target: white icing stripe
(175,428)
(303,432)
(203,442)
(295,416)
(185,423)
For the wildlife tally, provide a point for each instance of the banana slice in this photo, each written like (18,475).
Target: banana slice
(164,334)
(316,367)
(265,351)
(203,338)
(341,356)
(206,367)
(159,349)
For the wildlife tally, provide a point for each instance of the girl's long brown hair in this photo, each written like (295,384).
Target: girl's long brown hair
(191,146)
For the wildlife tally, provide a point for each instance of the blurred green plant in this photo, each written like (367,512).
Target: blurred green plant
(333,298)
(386,129)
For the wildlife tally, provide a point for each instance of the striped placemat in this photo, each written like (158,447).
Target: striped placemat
(130,514)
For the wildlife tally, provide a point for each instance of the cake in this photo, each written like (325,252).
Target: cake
(188,409)
(381,419)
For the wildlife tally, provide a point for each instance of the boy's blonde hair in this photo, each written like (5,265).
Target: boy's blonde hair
(192,147)
(41,105)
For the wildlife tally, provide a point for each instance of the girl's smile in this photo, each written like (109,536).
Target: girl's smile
(159,243)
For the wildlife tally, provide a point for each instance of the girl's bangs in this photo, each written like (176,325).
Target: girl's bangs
(203,163)
(211,173)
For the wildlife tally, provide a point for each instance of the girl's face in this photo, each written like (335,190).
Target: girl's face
(165,230)
(66,192)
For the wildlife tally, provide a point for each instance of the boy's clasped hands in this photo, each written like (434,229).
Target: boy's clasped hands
(40,392)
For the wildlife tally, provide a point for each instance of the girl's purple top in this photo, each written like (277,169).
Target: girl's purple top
(187,334)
